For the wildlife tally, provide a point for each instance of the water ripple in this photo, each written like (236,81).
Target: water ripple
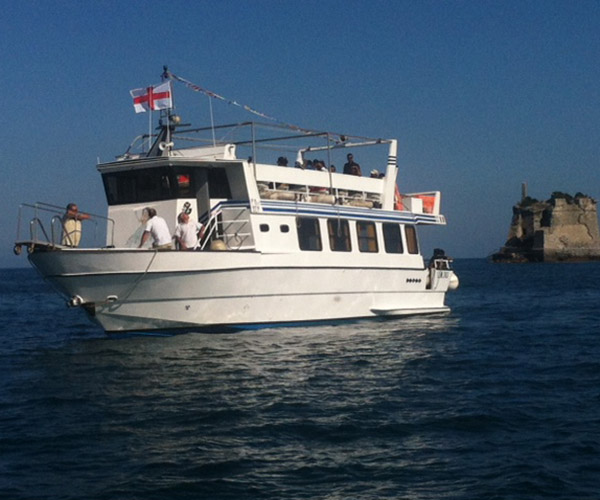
(498,400)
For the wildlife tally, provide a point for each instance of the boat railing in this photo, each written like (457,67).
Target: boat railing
(235,228)
(228,228)
(36,224)
(253,139)
(211,225)
(319,194)
(45,223)
(59,233)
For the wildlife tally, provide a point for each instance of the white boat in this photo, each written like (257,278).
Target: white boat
(282,244)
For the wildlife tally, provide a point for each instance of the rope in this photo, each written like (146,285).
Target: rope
(135,283)
(196,88)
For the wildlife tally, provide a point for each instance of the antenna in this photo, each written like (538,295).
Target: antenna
(165,75)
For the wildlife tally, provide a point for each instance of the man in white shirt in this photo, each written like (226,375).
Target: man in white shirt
(186,232)
(158,229)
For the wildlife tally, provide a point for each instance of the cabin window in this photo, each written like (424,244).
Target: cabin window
(284,228)
(392,238)
(218,184)
(185,186)
(135,186)
(117,191)
(309,234)
(367,236)
(339,235)
(184,181)
(163,183)
(411,239)
(154,187)
(264,228)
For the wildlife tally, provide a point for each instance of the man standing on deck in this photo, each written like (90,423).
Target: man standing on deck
(187,233)
(351,167)
(158,229)
(72,225)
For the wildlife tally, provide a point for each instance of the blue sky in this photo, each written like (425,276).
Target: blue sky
(482,95)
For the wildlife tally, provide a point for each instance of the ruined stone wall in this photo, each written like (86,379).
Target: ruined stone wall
(573,232)
(561,228)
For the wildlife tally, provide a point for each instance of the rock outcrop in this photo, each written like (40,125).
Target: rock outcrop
(563,228)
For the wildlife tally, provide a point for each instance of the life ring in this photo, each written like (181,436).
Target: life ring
(398,199)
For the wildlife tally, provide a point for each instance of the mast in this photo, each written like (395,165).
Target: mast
(167,123)
(390,176)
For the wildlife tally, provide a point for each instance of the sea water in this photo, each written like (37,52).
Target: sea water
(500,399)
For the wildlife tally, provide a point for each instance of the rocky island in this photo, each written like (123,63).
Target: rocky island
(562,228)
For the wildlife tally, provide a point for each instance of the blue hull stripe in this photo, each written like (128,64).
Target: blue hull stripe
(294,208)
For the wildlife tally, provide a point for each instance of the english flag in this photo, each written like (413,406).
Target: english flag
(153,98)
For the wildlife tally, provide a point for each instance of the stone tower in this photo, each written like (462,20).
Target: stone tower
(563,228)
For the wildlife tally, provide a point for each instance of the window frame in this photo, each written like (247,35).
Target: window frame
(392,243)
(309,241)
(412,242)
(337,243)
(372,245)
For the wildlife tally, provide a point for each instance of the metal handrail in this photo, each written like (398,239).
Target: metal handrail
(252,134)
(211,228)
(65,237)
(34,223)
(231,229)
(213,224)
(57,212)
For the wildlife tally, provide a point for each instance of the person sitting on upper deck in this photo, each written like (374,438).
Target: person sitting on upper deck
(157,228)
(355,170)
(282,161)
(187,233)
(375,174)
(351,167)
(319,165)
(71,222)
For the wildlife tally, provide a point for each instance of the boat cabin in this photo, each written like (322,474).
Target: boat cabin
(237,198)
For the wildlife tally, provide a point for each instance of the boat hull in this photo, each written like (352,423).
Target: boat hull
(128,290)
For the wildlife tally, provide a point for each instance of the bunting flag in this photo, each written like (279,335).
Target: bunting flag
(152,98)
(214,95)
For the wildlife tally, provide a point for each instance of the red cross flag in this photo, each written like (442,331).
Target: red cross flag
(156,97)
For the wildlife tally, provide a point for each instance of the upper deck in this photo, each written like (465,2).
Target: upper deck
(255,162)
(236,184)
